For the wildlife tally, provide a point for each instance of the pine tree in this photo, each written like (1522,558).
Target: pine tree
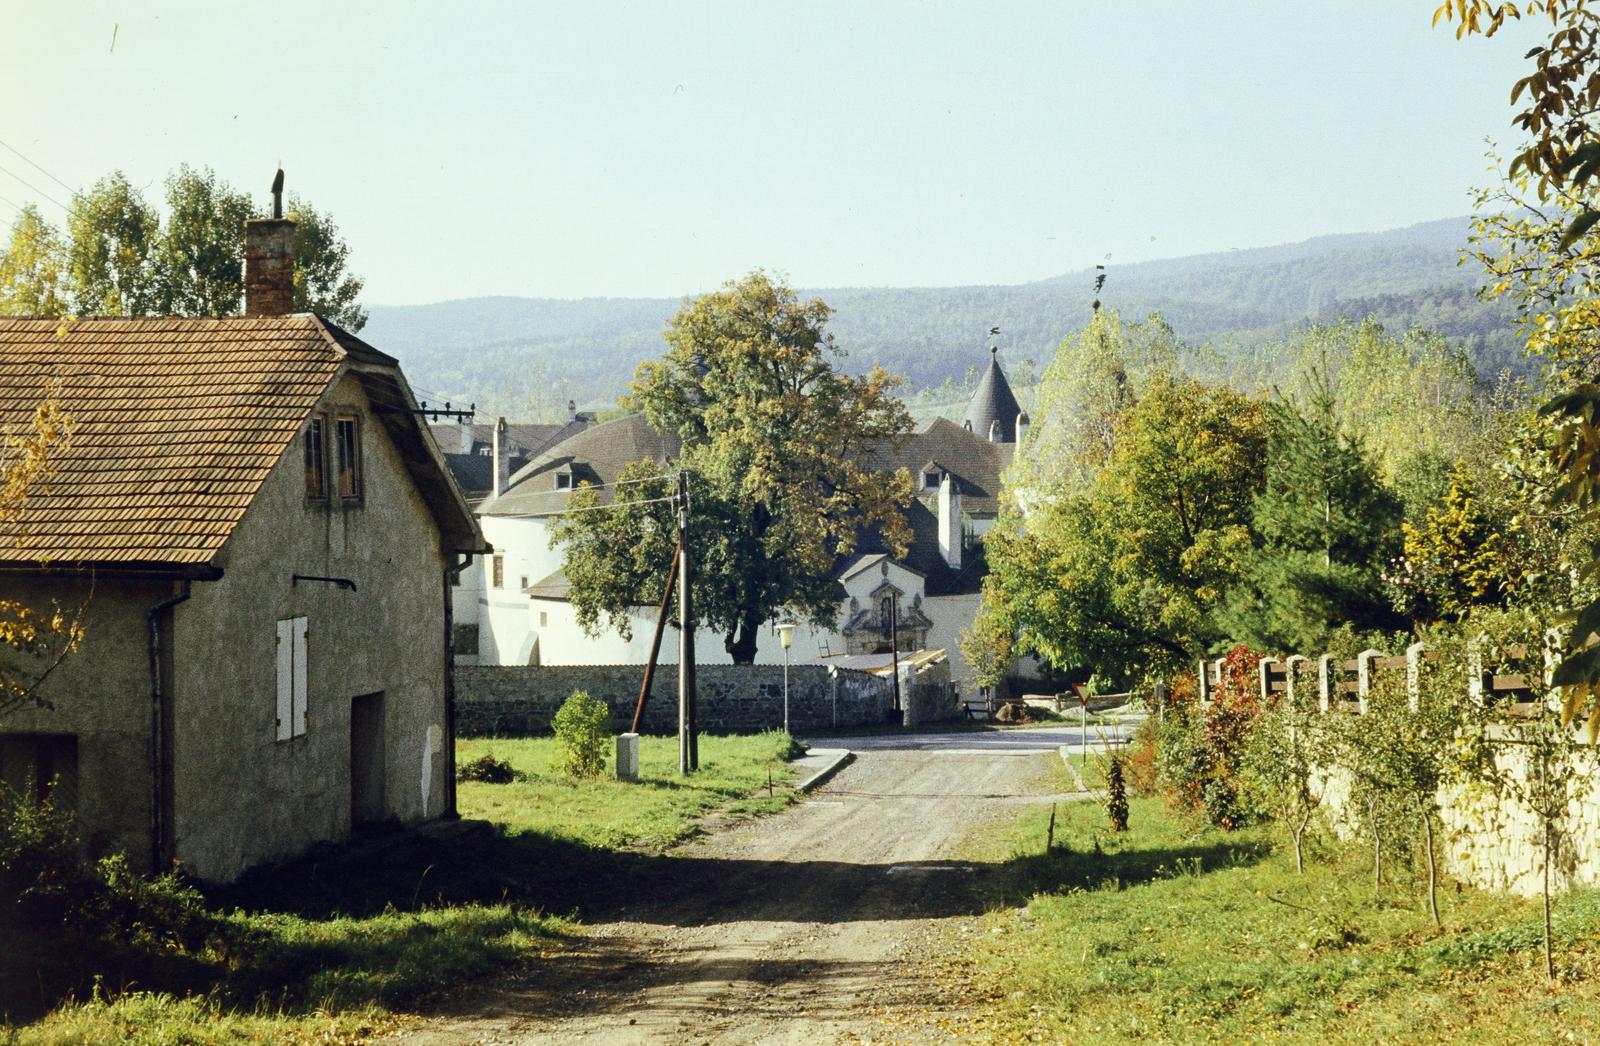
(1324,527)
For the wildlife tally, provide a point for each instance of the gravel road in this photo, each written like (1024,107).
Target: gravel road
(805,927)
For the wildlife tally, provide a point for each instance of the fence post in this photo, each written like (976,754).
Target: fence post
(1364,669)
(1414,654)
(1291,667)
(1325,670)
(1264,677)
(1475,669)
(1216,670)
(1205,684)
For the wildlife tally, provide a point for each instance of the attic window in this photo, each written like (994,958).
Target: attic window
(347,443)
(563,481)
(930,480)
(316,458)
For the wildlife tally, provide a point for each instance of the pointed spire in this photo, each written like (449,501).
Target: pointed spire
(994,402)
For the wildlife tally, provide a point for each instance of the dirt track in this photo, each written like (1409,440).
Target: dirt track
(807,927)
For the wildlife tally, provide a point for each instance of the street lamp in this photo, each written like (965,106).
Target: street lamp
(785,637)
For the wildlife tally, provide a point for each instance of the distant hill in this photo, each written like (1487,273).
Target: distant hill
(476,348)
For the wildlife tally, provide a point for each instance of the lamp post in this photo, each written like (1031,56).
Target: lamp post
(785,637)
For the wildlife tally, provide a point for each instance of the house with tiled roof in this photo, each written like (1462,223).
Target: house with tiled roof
(471,449)
(524,611)
(258,534)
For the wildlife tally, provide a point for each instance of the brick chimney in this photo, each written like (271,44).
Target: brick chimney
(268,267)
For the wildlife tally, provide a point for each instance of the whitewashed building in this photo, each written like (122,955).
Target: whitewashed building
(518,596)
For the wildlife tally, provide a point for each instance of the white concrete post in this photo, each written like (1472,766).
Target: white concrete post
(1475,670)
(627,757)
(1414,654)
(1205,685)
(1291,668)
(1325,678)
(1364,670)
(1216,668)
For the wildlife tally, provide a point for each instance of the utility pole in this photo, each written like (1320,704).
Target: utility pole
(655,642)
(894,646)
(688,742)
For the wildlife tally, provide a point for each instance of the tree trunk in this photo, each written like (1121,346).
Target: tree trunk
(1433,874)
(1299,835)
(1549,957)
(1377,849)
(741,642)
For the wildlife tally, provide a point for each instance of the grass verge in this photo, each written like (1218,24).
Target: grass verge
(329,948)
(1176,933)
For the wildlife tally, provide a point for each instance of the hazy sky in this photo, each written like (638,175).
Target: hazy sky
(586,148)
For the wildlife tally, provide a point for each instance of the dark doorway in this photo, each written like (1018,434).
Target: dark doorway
(366,760)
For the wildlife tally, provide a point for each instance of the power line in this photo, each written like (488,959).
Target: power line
(41,170)
(585,485)
(35,188)
(589,508)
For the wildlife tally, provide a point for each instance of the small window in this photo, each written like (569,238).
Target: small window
(499,572)
(930,480)
(524,584)
(316,459)
(292,635)
(348,445)
(544,619)
(563,481)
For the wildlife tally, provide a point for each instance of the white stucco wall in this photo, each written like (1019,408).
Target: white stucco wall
(516,629)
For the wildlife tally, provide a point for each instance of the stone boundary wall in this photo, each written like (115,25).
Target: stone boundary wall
(521,700)
(1489,839)
(928,696)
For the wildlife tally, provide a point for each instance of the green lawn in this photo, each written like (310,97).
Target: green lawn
(1174,932)
(661,809)
(328,949)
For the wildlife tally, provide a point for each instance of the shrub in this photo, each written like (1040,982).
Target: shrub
(1140,763)
(489,770)
(583,733)
(41,871)
(1116,796)
(1199,750)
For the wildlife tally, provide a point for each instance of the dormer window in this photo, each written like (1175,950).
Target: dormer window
(930,480)
(563,481)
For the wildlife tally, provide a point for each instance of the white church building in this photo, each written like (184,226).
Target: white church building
(518,596)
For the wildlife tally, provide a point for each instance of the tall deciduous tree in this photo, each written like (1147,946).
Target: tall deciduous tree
(1093,377)
(202,246)
(1128,576)
(1548,261)
(119,259)
(33,268)
(776,442)
(1324,528)
(114,251)
(322,282)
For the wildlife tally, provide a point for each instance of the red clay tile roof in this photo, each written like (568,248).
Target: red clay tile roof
(179,421)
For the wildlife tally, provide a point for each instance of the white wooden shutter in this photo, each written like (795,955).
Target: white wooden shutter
(299,676)
(286,676)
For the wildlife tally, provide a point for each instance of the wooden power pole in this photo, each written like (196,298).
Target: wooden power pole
(688,742)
